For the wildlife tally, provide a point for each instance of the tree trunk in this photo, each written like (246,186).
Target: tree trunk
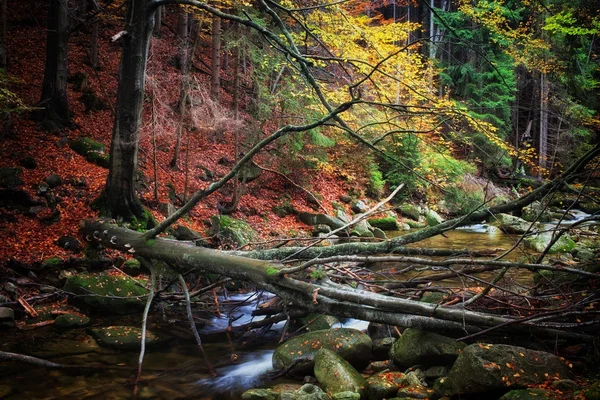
(320,296)
(121,199)
(158,21)
(54,99)
(184,63)
(94,44)
(215,82)
(543,139)
(3,37)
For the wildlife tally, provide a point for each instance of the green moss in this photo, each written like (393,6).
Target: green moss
(92,150)
(150,242)
(385,223)
(271,271)
(52,262)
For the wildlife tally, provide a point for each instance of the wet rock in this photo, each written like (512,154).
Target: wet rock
(416,347)
(384,384)
(336,374)
(536,212)
(123,337)
(540,241)
(316,219)
(380,331)
(437,371)
(346,396)
(416,392)
(120,295)
(350,344)
(70,321)
(7,317)
(379,234)
(361,229)
(379,366)
(410,211)
(494,368)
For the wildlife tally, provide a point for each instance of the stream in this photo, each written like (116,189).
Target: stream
(175,370)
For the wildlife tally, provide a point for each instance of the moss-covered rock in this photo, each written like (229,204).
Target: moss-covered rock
(386,223)
(433,218)
(336,374)
(540,241)
(350,344)
(115,294)
(496,368)
(122,337)
(232,231)
(416,347)
(92,150)
(382,347)
(260,394)
(411,211)
(536,212)
(70,321)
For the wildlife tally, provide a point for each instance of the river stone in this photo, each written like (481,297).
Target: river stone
(414,224)
(316,219)
(122,337)
(385,223)
(350,344)
(540,241)
(486,368)
(432,218)
(69,321)
(511,224)
(358,207)
(336,374)
(410,211)
(380,366)
(232,230)
(379,234)
(417,347)
(415,392)
(361,229)
(115,294)
(384,385)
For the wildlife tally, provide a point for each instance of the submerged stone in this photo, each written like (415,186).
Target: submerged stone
(69,321)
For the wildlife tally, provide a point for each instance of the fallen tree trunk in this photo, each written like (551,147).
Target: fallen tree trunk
(321,296)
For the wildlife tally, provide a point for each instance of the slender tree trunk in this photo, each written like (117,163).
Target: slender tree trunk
(120,195)
(215,82)
(3,37)
(182,32)
(158,21)
(94,44)
(54,99)
(543,139)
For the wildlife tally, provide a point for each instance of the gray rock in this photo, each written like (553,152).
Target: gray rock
(384,384)
(433,218)
(416,347)
(232,231)
(11,177)
(382,347)
(358,207)
(53,180)
(410,211)
(536,212)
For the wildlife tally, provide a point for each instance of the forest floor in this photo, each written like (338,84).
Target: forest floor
(27,239)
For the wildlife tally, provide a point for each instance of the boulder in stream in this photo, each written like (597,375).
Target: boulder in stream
(496,368)
(336,374)
(511,224)
(351,344)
